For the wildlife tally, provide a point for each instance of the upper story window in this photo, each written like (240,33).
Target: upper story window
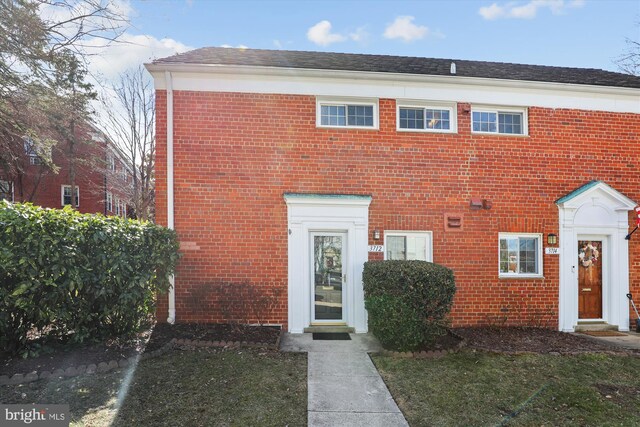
(520,255)
(110,202)
(66,195)
(408,245)
(507,121)
(31,151)
(421,117)
(111,163)
(359,113)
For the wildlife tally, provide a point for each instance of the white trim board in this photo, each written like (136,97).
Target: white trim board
(309,213)
(398,86)
(599,212)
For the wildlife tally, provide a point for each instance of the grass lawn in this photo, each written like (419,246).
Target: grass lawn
(197,388)
(483,389)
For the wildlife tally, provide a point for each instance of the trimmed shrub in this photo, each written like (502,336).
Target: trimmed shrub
(408,302)
(75,275)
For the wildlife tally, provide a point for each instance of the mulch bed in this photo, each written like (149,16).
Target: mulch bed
(61,356)
(535,340)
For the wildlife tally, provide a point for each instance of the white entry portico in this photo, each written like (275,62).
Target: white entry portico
(345,220)
(595,212)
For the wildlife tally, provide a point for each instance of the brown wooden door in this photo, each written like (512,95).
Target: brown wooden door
(589,279)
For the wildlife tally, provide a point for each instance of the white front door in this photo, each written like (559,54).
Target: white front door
(328,267)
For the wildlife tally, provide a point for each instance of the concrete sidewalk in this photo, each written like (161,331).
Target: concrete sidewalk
(630,341)
(344,387)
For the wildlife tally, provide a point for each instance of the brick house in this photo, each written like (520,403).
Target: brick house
(285,171)
(103,178)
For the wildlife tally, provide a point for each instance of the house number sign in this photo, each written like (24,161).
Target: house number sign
(376,248)
(552,251)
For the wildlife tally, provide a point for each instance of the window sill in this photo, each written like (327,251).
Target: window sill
(517,135)
(348,127)
(520,276)
(436,131)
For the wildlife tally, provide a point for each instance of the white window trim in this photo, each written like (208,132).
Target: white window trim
(373,102)
(451,106)
(540,273)
(110,202)
(62,187)
(501,109)
(410,233)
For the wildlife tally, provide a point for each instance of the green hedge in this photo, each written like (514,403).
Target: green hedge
(79,276)
(408,302)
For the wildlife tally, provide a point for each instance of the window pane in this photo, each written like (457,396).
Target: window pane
(510,123)
(360,115)
(396,248)
(332,115)
(413,118)
(528,256)
(416,248)
(438,119)
(484,121)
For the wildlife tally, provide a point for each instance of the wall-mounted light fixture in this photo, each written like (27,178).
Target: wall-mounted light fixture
(376,234)
(552,239)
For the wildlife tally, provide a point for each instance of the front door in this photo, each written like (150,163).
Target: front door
(590,258)
(328,276)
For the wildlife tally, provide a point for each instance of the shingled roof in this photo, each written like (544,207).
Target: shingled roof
(400,64)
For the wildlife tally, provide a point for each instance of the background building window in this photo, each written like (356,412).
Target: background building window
(66,195)
(6,190)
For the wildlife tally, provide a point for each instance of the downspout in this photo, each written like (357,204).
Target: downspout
(170,219)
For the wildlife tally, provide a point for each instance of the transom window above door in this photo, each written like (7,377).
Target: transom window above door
(408,245)
(347,113)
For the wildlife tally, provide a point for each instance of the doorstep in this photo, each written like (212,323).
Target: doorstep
(329,328)
(598,325)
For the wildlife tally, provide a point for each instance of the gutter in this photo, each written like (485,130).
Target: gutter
(171,319)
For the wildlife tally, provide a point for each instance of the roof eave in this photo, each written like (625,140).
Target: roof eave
(383,76)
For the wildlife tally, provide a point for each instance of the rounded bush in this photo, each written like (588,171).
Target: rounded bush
(75,275)
(408,302)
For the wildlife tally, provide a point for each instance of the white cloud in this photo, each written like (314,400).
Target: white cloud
(129,52)
(404,28)
(519,10)
(359,35)
(321,34)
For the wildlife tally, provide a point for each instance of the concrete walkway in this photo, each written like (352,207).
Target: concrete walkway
(344,387)
(629,341)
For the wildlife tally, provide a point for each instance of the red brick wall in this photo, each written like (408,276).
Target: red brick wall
(236,154)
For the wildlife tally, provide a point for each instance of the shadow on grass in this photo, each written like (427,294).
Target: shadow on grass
(204,387)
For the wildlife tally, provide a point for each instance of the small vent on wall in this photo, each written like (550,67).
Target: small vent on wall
(453,222)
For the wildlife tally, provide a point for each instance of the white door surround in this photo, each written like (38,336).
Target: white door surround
(595,211)
(309,213)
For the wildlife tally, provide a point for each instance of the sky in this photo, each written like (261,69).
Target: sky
(573,33)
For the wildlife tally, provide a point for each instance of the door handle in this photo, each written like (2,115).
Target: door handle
(586,289)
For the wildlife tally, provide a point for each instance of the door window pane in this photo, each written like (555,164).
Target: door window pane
(327,269)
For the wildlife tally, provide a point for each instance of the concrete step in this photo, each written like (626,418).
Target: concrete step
(595,326)
(329,328)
